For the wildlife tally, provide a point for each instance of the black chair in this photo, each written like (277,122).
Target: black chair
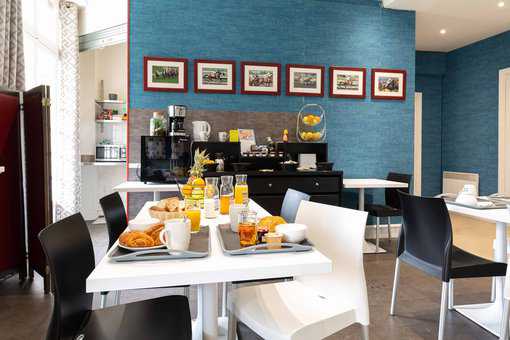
(425,243)
(115,216)
(68,248)
(291,203)
(391,208)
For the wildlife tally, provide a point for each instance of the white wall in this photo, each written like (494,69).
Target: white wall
(101,14)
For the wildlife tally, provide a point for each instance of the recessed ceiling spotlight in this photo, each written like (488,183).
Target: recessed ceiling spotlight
(442,31)
(501,4)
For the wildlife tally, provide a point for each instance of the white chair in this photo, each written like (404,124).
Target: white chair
(506,309)
(312,307)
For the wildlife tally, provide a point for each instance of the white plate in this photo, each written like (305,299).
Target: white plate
(142,248)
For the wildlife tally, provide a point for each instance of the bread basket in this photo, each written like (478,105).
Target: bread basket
(165,215)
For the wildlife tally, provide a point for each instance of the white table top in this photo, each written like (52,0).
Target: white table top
(217,267)
(367,183)
(137,186)
(489,215)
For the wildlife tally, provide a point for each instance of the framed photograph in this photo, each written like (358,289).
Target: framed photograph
(165,74)
(388,84)
(347,82)
(305,80)
(260,78)
(215,76)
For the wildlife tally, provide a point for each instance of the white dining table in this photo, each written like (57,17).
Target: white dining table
(488,315)
(138,186)
(370,183)
(206,272)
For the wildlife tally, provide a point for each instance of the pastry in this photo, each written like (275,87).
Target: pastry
(172,204)
(136,239)
(270,222)
(154,232)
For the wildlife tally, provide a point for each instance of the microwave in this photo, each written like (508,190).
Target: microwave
(164,159)
(110,153)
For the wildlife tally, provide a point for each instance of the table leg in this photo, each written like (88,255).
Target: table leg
(210,311)
(488,315)
(368,248)
(157,195)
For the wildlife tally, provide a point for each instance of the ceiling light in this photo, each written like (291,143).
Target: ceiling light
(501,4)
(442,31)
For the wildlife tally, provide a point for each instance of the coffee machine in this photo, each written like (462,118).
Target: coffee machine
(176,116)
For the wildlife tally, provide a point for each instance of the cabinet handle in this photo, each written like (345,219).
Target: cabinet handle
(316,184)
(270,185)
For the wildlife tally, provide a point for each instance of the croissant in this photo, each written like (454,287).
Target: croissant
(136,239)
(154,232)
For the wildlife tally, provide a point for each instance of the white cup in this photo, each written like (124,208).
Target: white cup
(469,189)
(235,211)
(222,136)
(177,234)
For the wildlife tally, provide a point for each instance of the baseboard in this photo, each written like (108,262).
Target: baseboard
(383,231)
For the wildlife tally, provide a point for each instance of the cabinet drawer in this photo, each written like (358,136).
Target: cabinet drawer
(279,185)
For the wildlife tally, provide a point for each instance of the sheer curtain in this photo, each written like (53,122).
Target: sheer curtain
(51,53)
(12,73)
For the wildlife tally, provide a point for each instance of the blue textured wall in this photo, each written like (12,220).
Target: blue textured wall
(470,125)
(367,138)
(430,71)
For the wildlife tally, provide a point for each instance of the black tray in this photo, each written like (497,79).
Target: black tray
(198,247)
(230,245)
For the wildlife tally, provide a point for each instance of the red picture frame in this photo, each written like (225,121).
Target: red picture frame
(290,92)
(219,62)
(146,84)
(402,73)
(246,89)
(332,70)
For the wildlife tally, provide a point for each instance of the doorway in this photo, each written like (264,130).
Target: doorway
(504,132)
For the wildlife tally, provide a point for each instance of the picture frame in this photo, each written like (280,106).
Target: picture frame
(215,76)
(260,78)
(305,80)
(347,82)
(388,84)
(165,74)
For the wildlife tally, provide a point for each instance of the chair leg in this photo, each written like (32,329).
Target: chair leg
(224,294)
(443,311)
(493,290)
(450,295)
(232,320)
(377,234)
(364,332)
(395,287)
(504,321)
(389,229)
(117,297)
(103,299)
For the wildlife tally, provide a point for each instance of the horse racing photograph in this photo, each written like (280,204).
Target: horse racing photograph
(165,74)
(214,76)
(261,78)
(305,80)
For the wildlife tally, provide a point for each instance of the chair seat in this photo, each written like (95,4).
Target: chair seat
(162,318)
(379,210)
(463,265)
(291,310)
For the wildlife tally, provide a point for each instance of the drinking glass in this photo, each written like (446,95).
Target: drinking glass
(193,213)
(241,189)
(226,194)
(248,228)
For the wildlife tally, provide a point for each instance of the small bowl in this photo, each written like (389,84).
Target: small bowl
(142,224)
(241,166)
(292,232)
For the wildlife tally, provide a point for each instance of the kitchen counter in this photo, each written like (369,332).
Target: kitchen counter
(279,173)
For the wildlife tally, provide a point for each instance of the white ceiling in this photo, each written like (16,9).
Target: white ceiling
(465,21)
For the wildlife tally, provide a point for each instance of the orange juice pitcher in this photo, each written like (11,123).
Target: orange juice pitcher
(226,194)
(241,189)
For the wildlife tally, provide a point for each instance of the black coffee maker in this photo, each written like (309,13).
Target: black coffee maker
(176,116)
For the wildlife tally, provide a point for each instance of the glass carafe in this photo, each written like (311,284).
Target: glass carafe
(241,189)
(226,194)
(211,197)
(247,228)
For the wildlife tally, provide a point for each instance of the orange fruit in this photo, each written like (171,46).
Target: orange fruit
(198,182)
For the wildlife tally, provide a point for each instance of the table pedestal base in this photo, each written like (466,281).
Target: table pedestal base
(222,329)
(370,248)
(486,315)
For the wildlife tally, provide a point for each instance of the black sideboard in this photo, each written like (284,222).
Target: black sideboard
(268,188)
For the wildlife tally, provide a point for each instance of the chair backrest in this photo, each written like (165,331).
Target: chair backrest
(115,216)
(427,229)
(391,194)
(70,255)
(338,233)
(291,203)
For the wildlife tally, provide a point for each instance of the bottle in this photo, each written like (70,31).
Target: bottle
(226,194)
(285,136)
(241,190)
(211,197)
(157,124)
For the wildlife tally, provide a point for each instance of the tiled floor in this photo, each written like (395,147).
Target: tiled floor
(26,310)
